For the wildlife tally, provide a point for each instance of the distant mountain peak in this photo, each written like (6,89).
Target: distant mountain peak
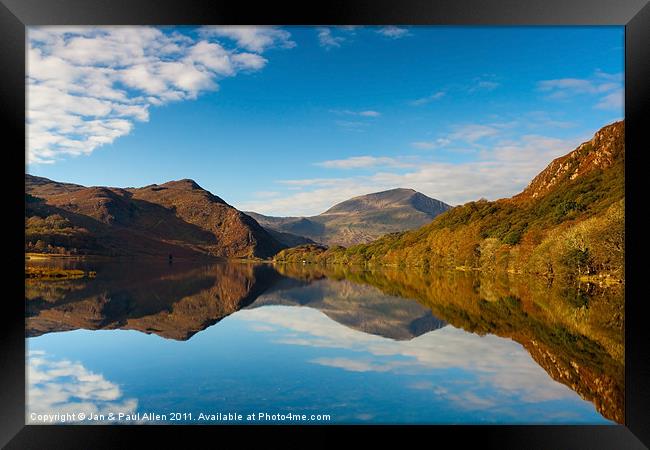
(392,198)
(362,218)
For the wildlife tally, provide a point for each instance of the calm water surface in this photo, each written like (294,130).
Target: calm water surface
(359,346)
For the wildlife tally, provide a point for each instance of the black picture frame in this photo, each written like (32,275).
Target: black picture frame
(16,15)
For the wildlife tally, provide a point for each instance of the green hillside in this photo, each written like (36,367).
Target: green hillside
(569,223)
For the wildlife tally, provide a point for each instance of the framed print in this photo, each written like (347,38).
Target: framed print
(364,217)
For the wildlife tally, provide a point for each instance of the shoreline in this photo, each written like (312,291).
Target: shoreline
(48,273)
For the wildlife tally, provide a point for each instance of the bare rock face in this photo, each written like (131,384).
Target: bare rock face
(602,151)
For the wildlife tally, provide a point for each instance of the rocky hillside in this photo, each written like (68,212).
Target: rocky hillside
(569,222)
(361,219)
(601,152)
(178,217)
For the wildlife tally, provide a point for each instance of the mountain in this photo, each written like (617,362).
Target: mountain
(178,218)
(394,198)
(601,152)
(568,222)
(360,219)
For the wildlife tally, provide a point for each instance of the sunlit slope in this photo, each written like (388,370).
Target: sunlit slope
(568,222)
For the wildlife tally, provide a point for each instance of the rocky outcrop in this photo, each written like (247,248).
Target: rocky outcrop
(602,151)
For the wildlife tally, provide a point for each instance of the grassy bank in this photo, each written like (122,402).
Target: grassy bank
(54,273)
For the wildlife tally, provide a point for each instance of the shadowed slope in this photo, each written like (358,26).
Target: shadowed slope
(178,217)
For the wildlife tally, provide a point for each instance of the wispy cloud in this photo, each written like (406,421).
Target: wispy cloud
(335,36)
(428,99)
(430,145)
(393,32)
(485,83)
(359,119)
(327,39)
(612,101)
(86,86)
(361,162)
(364,113)
(474,132)
(543,119)
(351,125)
(606,87)
(253,38)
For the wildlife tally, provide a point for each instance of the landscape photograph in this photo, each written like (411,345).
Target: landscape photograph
(299,225)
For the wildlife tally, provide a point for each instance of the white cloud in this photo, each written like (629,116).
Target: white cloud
(366,113)
(63,386)
(428,99)
(327,40)
(474,132)
(484,85)
(86,86)
(254,38)
(565,86)
(393,32)
(359,162)
(607,87)
(614,100)
(355,125)
(430,145)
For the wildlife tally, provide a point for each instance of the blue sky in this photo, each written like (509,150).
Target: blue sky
(290,120)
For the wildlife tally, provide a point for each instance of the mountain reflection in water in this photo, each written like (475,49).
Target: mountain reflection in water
(476,344)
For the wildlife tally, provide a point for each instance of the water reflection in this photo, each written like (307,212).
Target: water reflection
(58,389)
(480,382)
(483,349)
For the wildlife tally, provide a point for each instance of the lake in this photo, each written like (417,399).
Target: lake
(225,342)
